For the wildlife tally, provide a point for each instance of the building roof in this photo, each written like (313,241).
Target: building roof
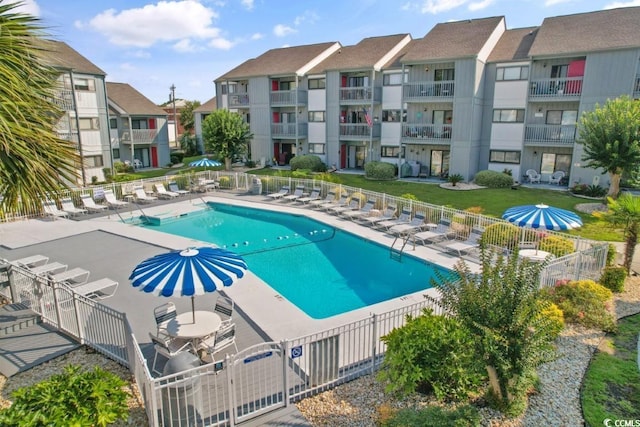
(514,45)
(61,55)
(450,40)
(396,61)
(364,55)
(282,61)
(207,107)
(588,32)
(131,101)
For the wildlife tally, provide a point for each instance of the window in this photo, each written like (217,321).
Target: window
(86,123)
(552,162)
(393,79)
(316,116)
(287,85)
(559,117)
(441,117)
(390,115)
(113,123)
(317,83)
(84,84)
(444,74)
(116,153)
(498,156)
(390,151)
(508,116)
(93,161)
(559,71)
(139,124)
(512,73)
(316,148)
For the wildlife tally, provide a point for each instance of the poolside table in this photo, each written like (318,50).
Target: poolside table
(534,254)
(183,326)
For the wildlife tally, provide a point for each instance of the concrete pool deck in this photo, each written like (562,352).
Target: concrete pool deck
(272,313)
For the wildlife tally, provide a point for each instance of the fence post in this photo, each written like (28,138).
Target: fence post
(232,392)
(285,364)
(54,287)
(12,284)
(374,340)
(577,266)
(76,312)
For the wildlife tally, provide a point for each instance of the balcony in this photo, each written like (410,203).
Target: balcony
(288,130)
(139,136)
(359,131)
(636,88)
(69,136)
(239,100)
(288,98)
(550,134)
(421,133)
(360,95)
(556,89)
(419,91)
(64,99)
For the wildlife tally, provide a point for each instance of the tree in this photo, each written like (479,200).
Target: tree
(187,119)
(625,211)
(611,138)
(34,162)
(502,307)
(226,134)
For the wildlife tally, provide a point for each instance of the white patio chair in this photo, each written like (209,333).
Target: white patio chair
(168,347)
(112,201)
(163,193)
(223,338)
(70,208)
(90,204)
(51,209)
(224,307)
(164,314)
(556,177)
(142,196)
(533,176)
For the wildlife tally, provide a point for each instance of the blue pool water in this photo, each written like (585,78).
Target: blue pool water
(323,271)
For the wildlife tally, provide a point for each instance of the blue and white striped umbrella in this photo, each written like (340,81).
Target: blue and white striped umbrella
(542,216)
(191,272)
(204,163)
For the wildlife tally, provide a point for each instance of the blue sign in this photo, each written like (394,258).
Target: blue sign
(258,357)
(296,352)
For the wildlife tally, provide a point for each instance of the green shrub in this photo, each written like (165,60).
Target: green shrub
(120,167)
(431,353)
(557,245)
(107,174)
(74,397)
(409,196)
(328,177)
(556,318)
(611,255)
(379,170)
(307,161)
(579,189)
(435,416)
(177,157)
(501,234)
(225,182)
(595,191)
(613,278)
(583,302)
(455,178)
(493,179)
(250,164)
(301,173)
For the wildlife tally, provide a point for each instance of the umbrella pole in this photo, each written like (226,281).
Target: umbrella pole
(193,309)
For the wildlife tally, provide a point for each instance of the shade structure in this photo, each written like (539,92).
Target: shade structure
(204,163)
(191,272)
(542,216)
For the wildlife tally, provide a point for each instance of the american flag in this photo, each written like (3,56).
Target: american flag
(367,117)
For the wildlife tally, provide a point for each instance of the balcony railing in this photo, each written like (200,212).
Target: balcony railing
(636,88)
(360,95)
(288,130)
(288,97)
(423,133)
(69,136)
(138,136)
(561,134)
(64,99)
(421,90)
(359,131)
(567,87)
(239,100)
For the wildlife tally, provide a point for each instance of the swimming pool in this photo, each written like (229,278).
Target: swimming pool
(322,270)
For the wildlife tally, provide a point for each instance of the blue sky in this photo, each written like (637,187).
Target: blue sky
(154,44)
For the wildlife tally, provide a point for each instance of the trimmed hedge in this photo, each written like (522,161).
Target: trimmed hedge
(493,179)
(307,161)
(379,170)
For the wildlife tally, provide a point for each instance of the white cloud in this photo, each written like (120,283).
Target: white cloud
(247,4)
(480,5)
(184,46)
(221,43)
(165,21)
(126,66)
(140,54)
(548,3)
(257,36)
(437,6)
(282,30)
(617,4)
(309,17)
(28,7)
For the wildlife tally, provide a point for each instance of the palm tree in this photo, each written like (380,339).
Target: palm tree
(34,162)
(625,211)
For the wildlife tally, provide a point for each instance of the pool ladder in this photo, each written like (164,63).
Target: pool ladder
(396,253)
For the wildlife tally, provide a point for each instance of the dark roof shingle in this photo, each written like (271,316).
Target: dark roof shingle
(207,107)
(132,101)
(513,45)
(61,55)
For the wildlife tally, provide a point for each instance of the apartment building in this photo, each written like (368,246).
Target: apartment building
(138,128)
(199,114)
(83,99)
(468,96)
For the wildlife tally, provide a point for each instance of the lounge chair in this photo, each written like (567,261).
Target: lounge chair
(315,195)
(417,223)
(441,232)
(173,187)
(51,209)
(205,185)
(141,196)
(75,276)
(98,289)
(112,201)
(363,211)
(556,177)
(472,242)
(31,261)
(69,207)
(90,204)
(329,198)
(163,193)
(49,268)
(403,218)
(297,193)
(280,194)
(533,176)
(388,214)
(342,201)
(353,205)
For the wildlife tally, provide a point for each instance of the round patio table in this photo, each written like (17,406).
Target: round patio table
(534,254)
(183,326)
